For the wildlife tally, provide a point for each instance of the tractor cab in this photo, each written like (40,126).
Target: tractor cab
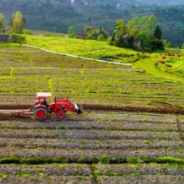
(42,99)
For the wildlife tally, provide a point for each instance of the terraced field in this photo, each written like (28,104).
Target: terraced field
(97,147)
(26,71)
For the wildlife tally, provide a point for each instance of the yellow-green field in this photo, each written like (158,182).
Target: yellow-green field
(84,48)
(96,147)
(26,71)
(161,64)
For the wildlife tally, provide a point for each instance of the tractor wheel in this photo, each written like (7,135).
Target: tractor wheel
(40,113)
(60,115)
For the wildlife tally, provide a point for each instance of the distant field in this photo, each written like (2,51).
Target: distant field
(85,48)
(167,64)
(25,71)
(98,146)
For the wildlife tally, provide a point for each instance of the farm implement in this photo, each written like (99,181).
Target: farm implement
(41,109)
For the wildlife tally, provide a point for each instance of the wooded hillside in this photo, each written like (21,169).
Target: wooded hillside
(59,15)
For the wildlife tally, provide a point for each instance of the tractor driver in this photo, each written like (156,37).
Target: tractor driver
(44,102)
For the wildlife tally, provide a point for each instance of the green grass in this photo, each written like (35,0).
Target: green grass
(150,67)
(10,45)
(102,160)
(84,48)
(101,50)
(85,81)
(161,65)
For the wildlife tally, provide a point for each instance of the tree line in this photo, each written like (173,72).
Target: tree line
(15,27)
(144,30)
(17,23)
(89,33)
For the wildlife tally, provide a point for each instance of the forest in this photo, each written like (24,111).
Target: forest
(58,16)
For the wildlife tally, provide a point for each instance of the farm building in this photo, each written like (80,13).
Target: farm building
(4,38)
(125,38)
(81,35)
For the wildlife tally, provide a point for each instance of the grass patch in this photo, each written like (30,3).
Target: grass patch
(102,160)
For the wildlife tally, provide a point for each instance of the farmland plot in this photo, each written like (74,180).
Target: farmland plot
(26,71)
(97,147)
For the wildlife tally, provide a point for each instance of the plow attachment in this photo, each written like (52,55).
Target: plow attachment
(11,114)
(78,108)
(21,113)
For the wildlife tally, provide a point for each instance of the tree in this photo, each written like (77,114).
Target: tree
(103,32)
(169,45)
(145,41)
(119,32)
(129,27)
(71,32)
(158,33)
(182,46)
(134,32)
(101,37)
(18,22)
(133,27)
(142,22)
(131,41)
(149,26)
(95,34)
(2,26)
(17,38)
(87,29)
(136,22)
(120,28)
(157,45)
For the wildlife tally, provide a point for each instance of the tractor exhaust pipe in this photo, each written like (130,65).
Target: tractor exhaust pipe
(78,108)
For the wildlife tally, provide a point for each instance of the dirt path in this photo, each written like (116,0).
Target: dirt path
(74,56)
(73,69)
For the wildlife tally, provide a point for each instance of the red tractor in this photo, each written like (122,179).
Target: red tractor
(59,107)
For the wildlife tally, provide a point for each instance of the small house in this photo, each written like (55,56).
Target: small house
(81,35)
(138,43)
(126,37)
(4,38)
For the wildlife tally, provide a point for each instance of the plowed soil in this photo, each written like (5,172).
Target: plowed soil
(96,147)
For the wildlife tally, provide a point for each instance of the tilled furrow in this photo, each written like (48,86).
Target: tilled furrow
(87,143)
(141,169)
(50,169)
(141,179)
(43,178)
(106,125)
(86,155)
(88,134)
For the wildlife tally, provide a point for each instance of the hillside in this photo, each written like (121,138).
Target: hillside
(58,16)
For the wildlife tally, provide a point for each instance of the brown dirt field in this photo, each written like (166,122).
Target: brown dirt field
(97,147)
